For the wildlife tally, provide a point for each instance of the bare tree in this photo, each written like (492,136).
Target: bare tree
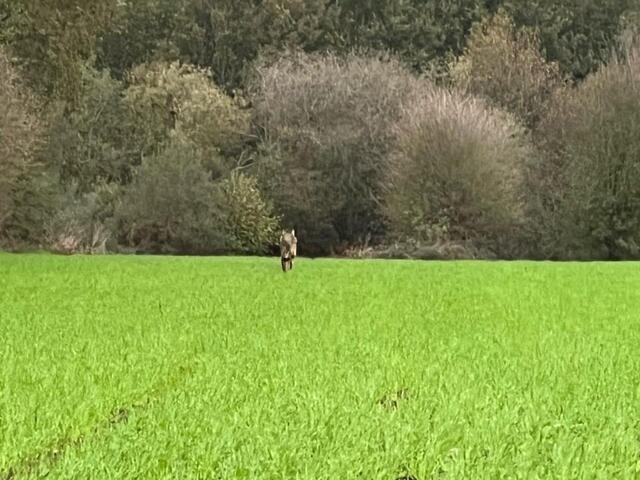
(456,172)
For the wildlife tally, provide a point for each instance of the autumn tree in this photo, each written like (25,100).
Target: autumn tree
(504,65)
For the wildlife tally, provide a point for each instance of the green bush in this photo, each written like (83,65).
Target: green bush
(171,204)
(250,219)
(162,99)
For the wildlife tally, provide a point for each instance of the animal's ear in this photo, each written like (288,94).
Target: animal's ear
(293,232)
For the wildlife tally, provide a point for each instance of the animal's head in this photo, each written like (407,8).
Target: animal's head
(288,243)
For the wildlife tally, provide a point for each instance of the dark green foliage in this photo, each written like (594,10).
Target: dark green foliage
(52,40)
(236,32)
(422,33)
(579,34)
(37,197)
(147,30)
(87,144)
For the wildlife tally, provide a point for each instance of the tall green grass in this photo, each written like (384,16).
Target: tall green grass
(226,368)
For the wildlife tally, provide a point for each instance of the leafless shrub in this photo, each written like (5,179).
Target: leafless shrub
(586,191)
(456,172)
(326,125)
(75,239)
(419,250)
(75,229)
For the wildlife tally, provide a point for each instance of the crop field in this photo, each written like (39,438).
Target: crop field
(227,368)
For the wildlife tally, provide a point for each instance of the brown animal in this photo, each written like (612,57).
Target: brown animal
(288,249)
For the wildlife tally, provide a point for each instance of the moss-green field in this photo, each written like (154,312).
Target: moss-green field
(227,368)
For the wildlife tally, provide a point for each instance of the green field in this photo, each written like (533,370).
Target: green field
(225,368)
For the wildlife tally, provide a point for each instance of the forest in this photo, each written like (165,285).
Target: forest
(433,129)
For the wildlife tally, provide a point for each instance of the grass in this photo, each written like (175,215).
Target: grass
(226,368)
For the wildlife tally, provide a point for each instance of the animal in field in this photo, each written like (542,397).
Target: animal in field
(288,249)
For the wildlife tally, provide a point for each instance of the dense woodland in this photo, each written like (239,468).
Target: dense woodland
(389,128)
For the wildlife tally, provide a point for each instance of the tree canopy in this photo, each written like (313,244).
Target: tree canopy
(502,127)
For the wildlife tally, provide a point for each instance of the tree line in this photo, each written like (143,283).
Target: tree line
(413,128)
